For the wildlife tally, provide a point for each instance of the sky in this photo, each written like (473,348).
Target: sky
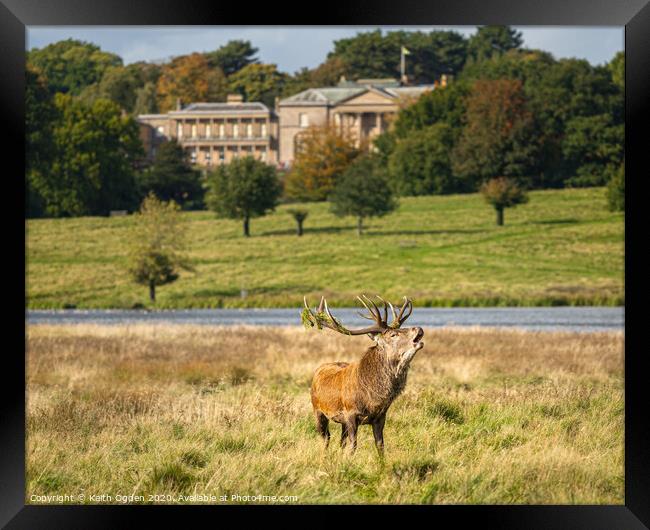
(291,48)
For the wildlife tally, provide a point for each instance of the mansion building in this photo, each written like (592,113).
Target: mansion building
(216,133)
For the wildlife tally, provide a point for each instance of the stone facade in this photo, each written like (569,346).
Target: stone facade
(216,133)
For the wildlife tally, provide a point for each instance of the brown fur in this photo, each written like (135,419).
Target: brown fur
(358,393)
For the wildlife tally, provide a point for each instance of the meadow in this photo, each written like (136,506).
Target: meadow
(563,248)
(488,416)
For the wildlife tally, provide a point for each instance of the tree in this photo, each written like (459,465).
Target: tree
(258,82)
(117,84)
(171,177)
(499,135)
(40,115)
(440,105)
(322,155)
(299,216)
(420,165)
(594,147)
(233,56)
(493,40)
(616,190)
(95,150)
(146,100)
(372,54)
(157,244)
(190,78)
(243,189)
(71,65)
(503,193)
(363,191)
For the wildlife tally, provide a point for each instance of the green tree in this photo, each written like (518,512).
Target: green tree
(617,69)
(594,147)
(373,54)
(499,136)
(95,151)
(171,177)
(299,216)
(157,244)
(616,190)
(118,84)
(233,56)
(71,65)
(243,189)
(441,105)
(493,40)
(322,155)
(503,193)
(420,165)
(146,100)
(363,191)
(258,82)
(40,116)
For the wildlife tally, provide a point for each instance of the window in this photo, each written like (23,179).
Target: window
(263,154)
(160,131)
(208,131)
(249,130)
(194,130)
(263,130)
(222,130)
(193,156)
(180,130)
(222,155)
(235,130)
(303,120)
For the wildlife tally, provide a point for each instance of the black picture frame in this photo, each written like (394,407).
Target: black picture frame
(15,15)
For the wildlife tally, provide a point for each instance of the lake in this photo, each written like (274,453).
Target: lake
(586,319)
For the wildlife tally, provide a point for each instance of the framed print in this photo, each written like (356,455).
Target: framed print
(377,263)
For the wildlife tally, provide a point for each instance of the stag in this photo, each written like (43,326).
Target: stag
(360,393)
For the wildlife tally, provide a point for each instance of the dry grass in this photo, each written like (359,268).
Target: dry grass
(488,416)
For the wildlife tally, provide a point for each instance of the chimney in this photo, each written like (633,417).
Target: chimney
(179,104)
(234,99)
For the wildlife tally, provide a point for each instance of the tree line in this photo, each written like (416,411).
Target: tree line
(509,112)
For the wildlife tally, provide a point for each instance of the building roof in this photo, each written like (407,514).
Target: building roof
(335,95)
(221,108)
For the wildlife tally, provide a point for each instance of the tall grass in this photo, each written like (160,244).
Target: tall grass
(488,416)
(564,247)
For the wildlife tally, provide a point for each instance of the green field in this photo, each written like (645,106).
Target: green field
(563,247)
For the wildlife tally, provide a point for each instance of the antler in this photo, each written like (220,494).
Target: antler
(399,319)
(323,316)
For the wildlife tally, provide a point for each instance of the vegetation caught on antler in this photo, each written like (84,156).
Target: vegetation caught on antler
(323,317)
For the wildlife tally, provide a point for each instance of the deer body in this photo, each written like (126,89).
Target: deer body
(358,393)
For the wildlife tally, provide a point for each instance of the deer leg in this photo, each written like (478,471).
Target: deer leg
(344,434)
(322,426)
(352,426)
(378,432)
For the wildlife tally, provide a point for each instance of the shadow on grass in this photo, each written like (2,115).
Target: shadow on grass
(368,231)
(307,231)
(421,232)
(556,222)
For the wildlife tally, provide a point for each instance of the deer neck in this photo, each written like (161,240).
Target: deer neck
(379,380)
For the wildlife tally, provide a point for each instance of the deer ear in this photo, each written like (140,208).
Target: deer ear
(374,336)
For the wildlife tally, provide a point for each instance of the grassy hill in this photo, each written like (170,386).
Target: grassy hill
(564,247)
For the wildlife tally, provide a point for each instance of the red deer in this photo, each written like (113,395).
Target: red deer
(361,392)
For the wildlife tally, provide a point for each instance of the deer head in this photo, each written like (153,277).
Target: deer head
(399,345)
